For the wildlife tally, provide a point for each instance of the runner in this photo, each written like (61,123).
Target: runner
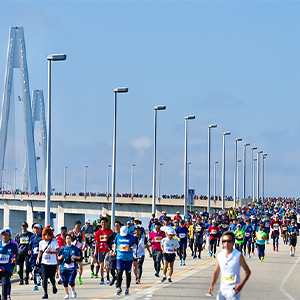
(68,256)
(199,231)
(182,233)
(23,239)
(88,230)
(260,237)
(48,249)
(78,240)
(123,245)
(34,251)
(169,247)
(249,234)
(275,225)
(101,247)
(253,224)
(239,237)
(94,258)
(139,253)
(155,240)
(191,236)
(293,231)
(8,254)
(267,223)
(214,233)
(229,262)
(61,241)
(112,262)
(284,229)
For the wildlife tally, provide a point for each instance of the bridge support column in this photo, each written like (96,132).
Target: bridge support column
(6,213)
(29,216)
(61,216)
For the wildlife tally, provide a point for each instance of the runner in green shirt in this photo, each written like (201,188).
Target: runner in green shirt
(239,237)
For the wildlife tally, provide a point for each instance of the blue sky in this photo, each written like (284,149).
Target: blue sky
(232,63)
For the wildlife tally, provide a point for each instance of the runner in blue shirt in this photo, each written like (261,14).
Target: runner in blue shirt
(182,232)
(68,255)
(8,255)
(267,222)
(253,224)
(293,231)
(123,246)
(247,238)
(232,226)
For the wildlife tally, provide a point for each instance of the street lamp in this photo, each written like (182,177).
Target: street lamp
(85,178)
(159,180)
(223,170)
(253,163)
(208,175)
(185,165)
(15,178)
(244,175)
(237,175)
(65,180)
(215,163)
(116,91)
(258,152)
(263,176)
(252,182)
(133,165)
(188,180)
(50,58)
(156,108)
(235,171)
(108,180)
(3,181)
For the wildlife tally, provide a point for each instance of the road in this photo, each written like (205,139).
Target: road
(275,278)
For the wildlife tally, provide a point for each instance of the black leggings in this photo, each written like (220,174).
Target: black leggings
(120,277)
(197,246)
(140,266)
(48,271)
(5,283)
(213,246)
(23,258)
(182,251)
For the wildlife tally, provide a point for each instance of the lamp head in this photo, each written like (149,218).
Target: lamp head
(57,57)
(121,90)
(213,126)
(190,117)
(227,133)
(160,107)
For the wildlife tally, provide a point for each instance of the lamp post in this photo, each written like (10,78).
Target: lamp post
(159,180)
(133,165)
(252,182)
(28,178)
(156,108)
(215,163)
(263,176)
(185,165)
(244,169)
(258,152)
(223,170)
(65,180)
(116,91)
(15,178)
(85,179)
(235,171)
(108,180)
(3,182)
(50,58)
(188,178)
(208,175)
(253,163)
(237,180)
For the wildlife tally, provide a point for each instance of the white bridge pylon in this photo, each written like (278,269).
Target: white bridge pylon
(16,58)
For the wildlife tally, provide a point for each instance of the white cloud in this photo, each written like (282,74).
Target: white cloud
(141,143)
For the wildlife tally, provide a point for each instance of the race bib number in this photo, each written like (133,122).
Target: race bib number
(103,238)
(157,239)
(123,248)
(4,258)
(267,225)
(113,247)
(198,228)
(169,250)
(182,235)
(69,266)
(247,234)
(24,240)
(47,257)
(228,279)
(35,250)
(224,225)
(213,231)
(87,235)
(276,228)
(284,228)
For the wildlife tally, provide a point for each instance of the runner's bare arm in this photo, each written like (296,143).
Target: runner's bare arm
(244,265)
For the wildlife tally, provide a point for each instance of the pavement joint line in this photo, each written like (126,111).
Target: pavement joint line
(286,278)
(159,282)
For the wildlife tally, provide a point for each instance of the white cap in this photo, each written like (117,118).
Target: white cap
(170,231)
(87,221)
(177,212)
(37,225)
(124,231)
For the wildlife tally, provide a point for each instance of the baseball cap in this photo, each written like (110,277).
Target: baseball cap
(24,224)
(37,225)
(87,221)
(214,221)
(128,222)
(123,231)
(6,230)
(170,231)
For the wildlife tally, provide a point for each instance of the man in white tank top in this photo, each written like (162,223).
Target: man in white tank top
(229,262)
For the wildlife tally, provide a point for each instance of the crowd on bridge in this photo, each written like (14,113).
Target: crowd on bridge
(59,259)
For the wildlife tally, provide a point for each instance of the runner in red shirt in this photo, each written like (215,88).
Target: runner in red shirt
(214,233)
(284,229)
(101,248)
(177,216)
(276,226)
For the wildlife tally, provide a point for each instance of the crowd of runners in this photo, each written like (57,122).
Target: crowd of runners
(43,258)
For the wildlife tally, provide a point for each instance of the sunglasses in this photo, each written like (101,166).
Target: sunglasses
(227,241)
